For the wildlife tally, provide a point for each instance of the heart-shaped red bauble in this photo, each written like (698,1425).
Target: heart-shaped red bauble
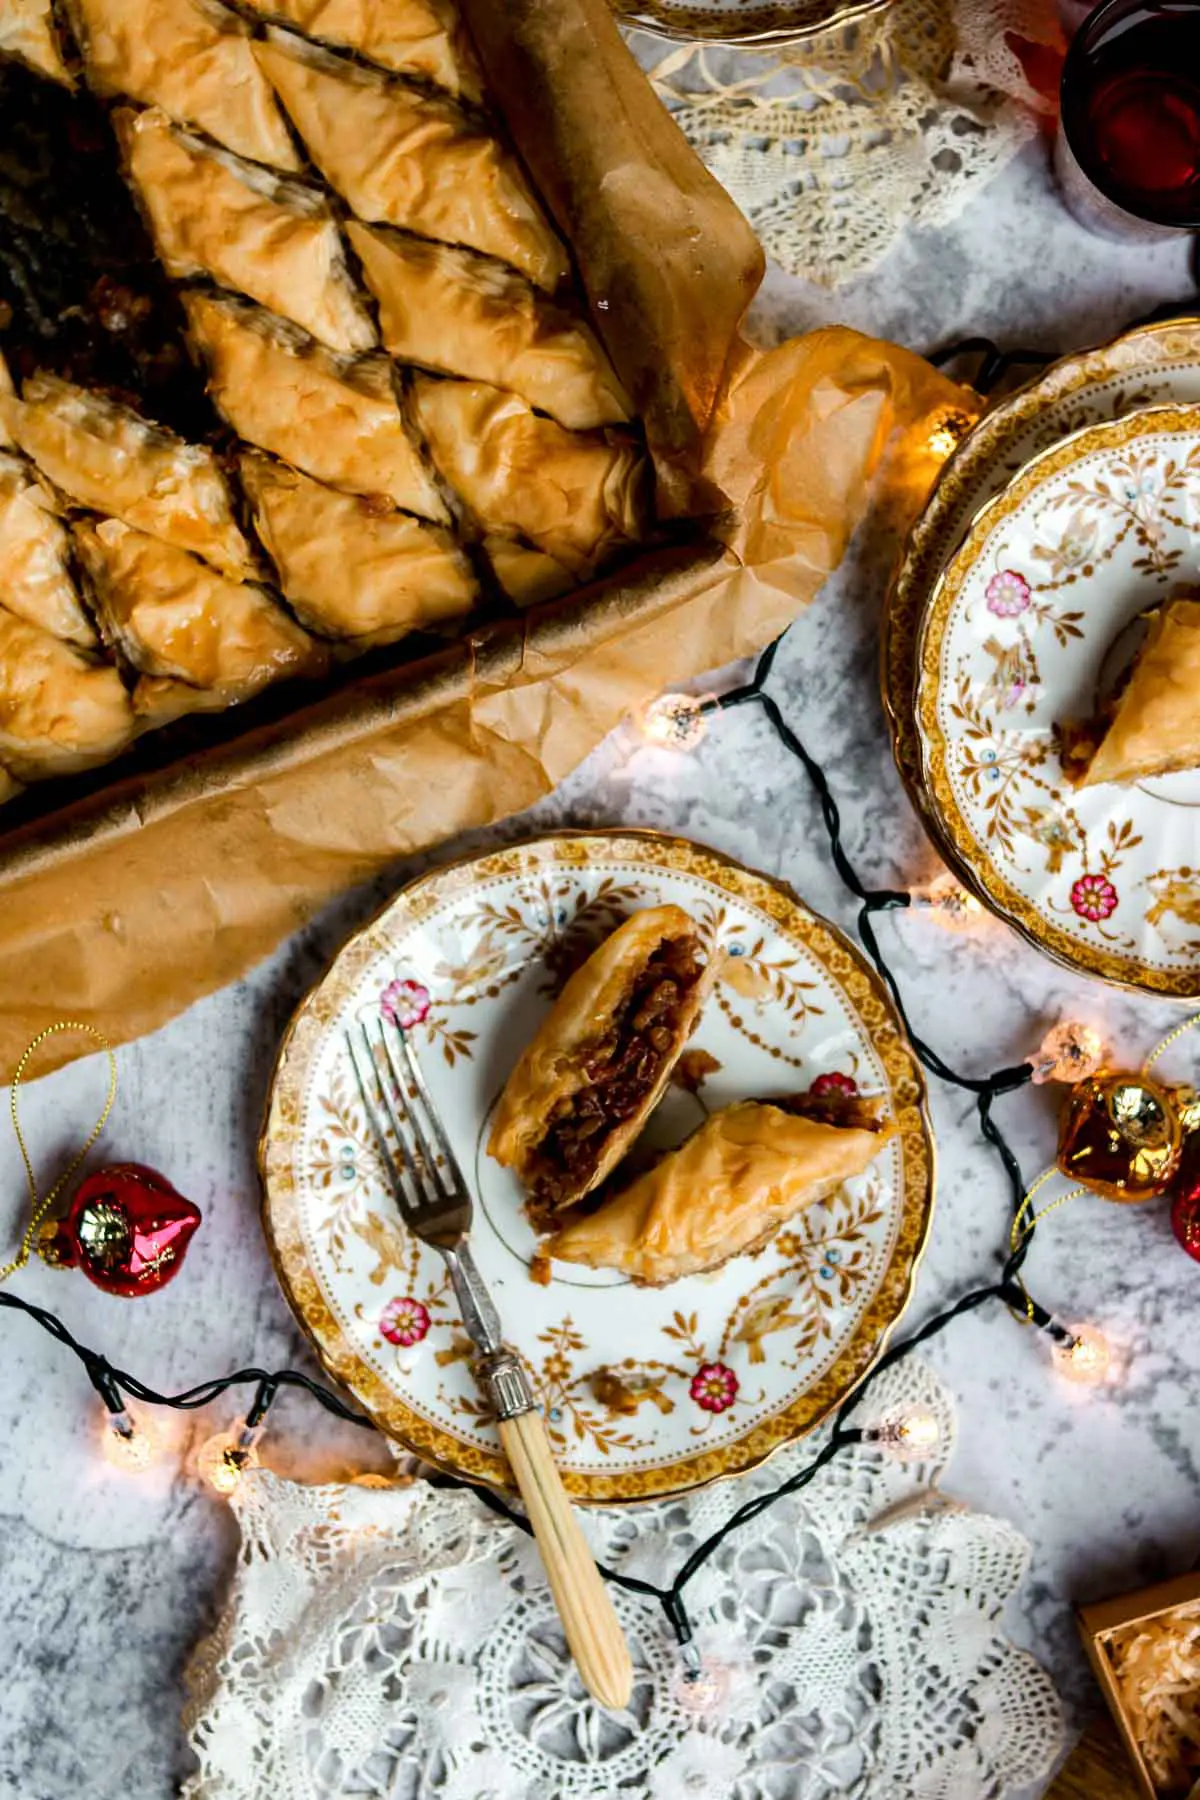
(126,1228)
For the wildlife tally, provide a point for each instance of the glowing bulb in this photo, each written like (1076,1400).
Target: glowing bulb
(128,1443)
(952,906)
(909,1437)
(947,429)
(675,721)
(224,1459)
(702,1687)
(1085,1358)
(1069,1052)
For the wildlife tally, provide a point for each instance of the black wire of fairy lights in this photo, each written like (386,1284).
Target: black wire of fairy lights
(114,1384)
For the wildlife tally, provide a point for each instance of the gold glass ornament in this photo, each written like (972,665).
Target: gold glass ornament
(1120,1135)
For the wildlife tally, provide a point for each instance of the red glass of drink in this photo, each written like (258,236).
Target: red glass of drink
(1128,152)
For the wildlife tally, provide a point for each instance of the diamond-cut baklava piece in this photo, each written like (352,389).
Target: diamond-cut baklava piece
(214,214)
(354,568)
(398,157)
(338,421)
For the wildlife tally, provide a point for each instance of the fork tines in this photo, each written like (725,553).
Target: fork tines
(398,1088)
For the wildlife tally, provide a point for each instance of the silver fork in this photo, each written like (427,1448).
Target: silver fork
(435,1204)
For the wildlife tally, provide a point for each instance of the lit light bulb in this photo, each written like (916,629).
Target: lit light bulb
(224,1459)
(1069,1052)
(951,905)
(1085,1357)
(909,1437)
(701,1686)
(947,429)
(675,721)
(128,1443)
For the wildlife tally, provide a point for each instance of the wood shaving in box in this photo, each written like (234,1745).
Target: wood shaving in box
(1157,1663)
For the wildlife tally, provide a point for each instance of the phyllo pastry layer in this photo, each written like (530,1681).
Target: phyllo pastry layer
(215,214)
(349,567)
(59,711)
(337,421)
(462,314)
(27,33)
(1155,727)
(528,577)
(578,497)
(398,157)
(172,616)
(423,38)
(109,459)
(35,578)
(748,1169)
(191,57)
(601,1059)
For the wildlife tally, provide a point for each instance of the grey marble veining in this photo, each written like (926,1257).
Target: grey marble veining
(108,1581)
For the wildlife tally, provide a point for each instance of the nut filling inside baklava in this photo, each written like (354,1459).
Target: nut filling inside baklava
(620,1069)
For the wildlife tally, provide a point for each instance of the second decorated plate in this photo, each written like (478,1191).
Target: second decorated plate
(647,1391)
(1029,629)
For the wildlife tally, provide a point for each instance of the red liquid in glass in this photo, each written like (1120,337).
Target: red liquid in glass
(1136,107)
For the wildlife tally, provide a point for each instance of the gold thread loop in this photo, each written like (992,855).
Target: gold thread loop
(1021,1233)
(1172,1037)
(40,1207)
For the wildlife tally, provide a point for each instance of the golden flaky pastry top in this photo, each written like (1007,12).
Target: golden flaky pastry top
(194,59)
(735,1180)
(552,1067)
(398,157)
(410,37)
(107,458)
(350,568)
(449,309)
(336,420)
(1156,726)
(214,214)
(175,617)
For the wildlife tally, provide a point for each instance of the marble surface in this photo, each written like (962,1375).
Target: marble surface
(108,1580)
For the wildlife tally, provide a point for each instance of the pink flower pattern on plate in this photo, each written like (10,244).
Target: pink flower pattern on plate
(714,1387)
(404,1003)
(1094,897)
(834,1082)
(1007,594)
(404,1321)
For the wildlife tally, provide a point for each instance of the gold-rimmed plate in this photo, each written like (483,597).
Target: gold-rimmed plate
(778,22)
(1027,630)
(647,1391)
(1150,366)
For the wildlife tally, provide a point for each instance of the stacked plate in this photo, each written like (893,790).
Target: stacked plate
(1069,512)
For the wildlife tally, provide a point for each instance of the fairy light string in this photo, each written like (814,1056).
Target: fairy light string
(115,1385)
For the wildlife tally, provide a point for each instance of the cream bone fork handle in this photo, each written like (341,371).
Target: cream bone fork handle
(435,1204)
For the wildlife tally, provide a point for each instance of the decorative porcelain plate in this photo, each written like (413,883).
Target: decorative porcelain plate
(1030,626)
(648,1391)
(731,22)
(1154,365)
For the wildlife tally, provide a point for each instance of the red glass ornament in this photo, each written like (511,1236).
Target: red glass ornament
(1185,1197)
(126,1228)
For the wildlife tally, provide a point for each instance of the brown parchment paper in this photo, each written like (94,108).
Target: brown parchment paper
(123,908)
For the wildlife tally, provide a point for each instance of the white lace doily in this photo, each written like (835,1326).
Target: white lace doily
(833,146)
(399,1641)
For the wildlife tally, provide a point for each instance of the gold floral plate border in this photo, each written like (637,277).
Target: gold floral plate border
(786,22)
(954,833)
(844,966)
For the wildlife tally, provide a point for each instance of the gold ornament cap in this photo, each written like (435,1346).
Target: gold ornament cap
(1120,1135)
